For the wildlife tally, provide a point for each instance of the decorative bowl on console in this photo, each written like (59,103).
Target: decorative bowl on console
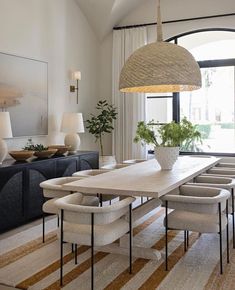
(21,155)
(61,149)
(45,153)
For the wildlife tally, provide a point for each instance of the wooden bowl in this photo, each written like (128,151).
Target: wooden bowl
(21,155)
(45,153)
(61,149)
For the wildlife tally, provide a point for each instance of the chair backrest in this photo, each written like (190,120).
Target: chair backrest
(53,187)
(115,166)
(80,214)
(225,164)
(90,172)
(222,171)
(198,199)
(214,179)
(133,161)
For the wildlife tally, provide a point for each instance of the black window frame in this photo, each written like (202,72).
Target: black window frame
(202,64)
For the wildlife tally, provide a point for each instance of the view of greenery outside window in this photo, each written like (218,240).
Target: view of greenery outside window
(212,108)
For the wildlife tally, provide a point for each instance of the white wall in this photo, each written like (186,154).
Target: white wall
(55,31)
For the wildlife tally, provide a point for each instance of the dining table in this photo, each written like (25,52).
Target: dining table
(144,179)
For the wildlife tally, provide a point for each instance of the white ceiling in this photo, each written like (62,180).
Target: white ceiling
(103,15)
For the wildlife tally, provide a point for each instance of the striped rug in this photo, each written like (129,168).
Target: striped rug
(33,265)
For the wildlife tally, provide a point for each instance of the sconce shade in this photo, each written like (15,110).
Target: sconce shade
(77,75)
(160,67)
(72,123)
(5,125)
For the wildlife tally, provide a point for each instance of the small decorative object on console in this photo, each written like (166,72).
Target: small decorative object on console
(40,150)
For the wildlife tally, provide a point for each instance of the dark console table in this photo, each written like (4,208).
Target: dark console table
(20,195)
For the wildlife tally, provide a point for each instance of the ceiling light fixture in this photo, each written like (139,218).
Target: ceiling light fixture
(160,67)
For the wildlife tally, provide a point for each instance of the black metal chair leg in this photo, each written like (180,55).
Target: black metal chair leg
(187,238)
(232,191)
(61,248)
(141,199)
(185,244)
(101,200)
(130,238)
(58,221)
(220,240)
(43,227)
(92,251)
(76,254)
(227,231)
(166,237)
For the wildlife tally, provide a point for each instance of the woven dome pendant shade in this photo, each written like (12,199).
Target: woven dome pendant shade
(160,67)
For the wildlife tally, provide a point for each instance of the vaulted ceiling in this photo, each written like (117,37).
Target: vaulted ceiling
(103,15)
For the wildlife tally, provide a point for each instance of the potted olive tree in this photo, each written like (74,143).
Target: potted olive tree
(101,124)
(168,139)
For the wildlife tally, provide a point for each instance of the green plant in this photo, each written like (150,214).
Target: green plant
(102,123)
(36,147)
(182,134)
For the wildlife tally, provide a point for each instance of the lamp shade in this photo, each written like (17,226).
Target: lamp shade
(77,75)
(160,67)
(72,123)
(5,125)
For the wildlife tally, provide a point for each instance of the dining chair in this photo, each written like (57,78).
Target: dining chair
(93,226)
(219,182)
(115,166)
(52,190)
(133,161)
(226,165)
(93,172)
(198,209)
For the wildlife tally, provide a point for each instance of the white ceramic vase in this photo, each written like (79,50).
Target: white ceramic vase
(166,156)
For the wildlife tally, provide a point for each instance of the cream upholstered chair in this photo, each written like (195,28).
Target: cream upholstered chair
(219,182)
(133,161)
(93,226)
(226,165)
(90,172)
(94,172)
(222,171)
(52,190)
(115,166)
(199,209)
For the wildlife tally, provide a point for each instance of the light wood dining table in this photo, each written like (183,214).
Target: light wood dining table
(145,179)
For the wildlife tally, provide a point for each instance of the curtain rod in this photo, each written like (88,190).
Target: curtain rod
(174,21)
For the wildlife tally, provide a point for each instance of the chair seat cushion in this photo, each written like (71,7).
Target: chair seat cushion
(196,222)
(90,200)
(103,234)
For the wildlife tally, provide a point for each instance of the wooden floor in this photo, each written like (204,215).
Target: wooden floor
(3,287)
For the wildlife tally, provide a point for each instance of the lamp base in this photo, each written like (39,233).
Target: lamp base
(72,140)
(3,150)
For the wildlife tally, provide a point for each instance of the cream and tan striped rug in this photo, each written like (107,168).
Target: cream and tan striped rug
(26,263)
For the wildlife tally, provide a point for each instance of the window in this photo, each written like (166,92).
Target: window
(212,108)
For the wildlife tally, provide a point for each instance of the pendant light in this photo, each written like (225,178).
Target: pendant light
(160,67)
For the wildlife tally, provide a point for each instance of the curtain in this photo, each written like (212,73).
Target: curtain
(130,107)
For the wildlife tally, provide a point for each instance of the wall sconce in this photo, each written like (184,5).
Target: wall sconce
(75,76)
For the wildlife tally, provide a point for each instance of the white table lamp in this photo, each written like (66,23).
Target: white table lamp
(5,132)
(72,124)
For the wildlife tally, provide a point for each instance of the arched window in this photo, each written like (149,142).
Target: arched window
(212,107)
